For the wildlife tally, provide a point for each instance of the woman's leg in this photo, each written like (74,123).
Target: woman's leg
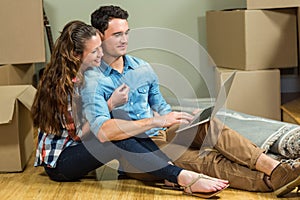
(148,143)
(147,161)
(73,163)
(76,161)
(144,156)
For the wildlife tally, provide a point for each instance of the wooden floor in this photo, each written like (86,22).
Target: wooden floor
(33,183)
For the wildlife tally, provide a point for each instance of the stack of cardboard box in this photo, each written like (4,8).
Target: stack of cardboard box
(258,41)
(21,46)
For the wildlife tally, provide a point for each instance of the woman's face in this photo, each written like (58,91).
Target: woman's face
(92,53)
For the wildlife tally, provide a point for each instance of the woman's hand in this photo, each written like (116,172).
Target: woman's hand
(118,97)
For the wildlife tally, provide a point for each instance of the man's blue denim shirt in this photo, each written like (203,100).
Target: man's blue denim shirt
(144,96)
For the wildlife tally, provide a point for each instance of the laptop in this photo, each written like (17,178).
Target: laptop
(209,113)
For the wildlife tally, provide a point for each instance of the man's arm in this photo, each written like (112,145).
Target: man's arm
(119,97)
(98,113)
(117,129)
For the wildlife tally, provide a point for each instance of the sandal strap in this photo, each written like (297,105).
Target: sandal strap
(195,180)
(207,177)
(192,183)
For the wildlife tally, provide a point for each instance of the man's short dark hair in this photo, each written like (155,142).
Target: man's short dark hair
(101,16)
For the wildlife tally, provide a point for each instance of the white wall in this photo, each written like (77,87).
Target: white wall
(184,18)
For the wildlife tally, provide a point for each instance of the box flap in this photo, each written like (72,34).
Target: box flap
(17,74)
(27,97)
(9,95)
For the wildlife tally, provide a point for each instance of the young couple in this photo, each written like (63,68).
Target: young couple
(120,122)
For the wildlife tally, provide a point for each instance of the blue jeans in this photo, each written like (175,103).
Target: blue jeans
(76,161)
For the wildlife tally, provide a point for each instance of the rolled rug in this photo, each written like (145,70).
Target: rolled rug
(278,138)
(288,144)
(274,136)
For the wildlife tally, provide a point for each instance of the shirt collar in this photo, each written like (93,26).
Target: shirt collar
(128,64)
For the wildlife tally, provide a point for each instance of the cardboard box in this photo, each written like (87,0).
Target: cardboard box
(22,32)
(267,4)
(253,39)
(16,127)
(19,74)
(291,111)
(253,92)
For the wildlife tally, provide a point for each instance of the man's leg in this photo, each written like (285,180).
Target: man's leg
(237,149)
(216,165)
(283,178)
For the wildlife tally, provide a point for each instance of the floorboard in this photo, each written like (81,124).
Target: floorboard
(33,183)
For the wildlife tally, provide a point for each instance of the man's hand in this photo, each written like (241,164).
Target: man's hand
(172,118)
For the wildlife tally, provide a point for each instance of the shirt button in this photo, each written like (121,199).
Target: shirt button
(138,115)
(131,103)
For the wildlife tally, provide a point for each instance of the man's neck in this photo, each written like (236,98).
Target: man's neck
(115,63)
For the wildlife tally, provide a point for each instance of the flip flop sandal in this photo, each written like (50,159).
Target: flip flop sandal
(170,187)
(174,187)
(205,195)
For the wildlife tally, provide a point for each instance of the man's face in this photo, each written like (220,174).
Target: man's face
(115,39)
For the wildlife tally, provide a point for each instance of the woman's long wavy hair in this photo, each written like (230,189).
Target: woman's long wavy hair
(55,86)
